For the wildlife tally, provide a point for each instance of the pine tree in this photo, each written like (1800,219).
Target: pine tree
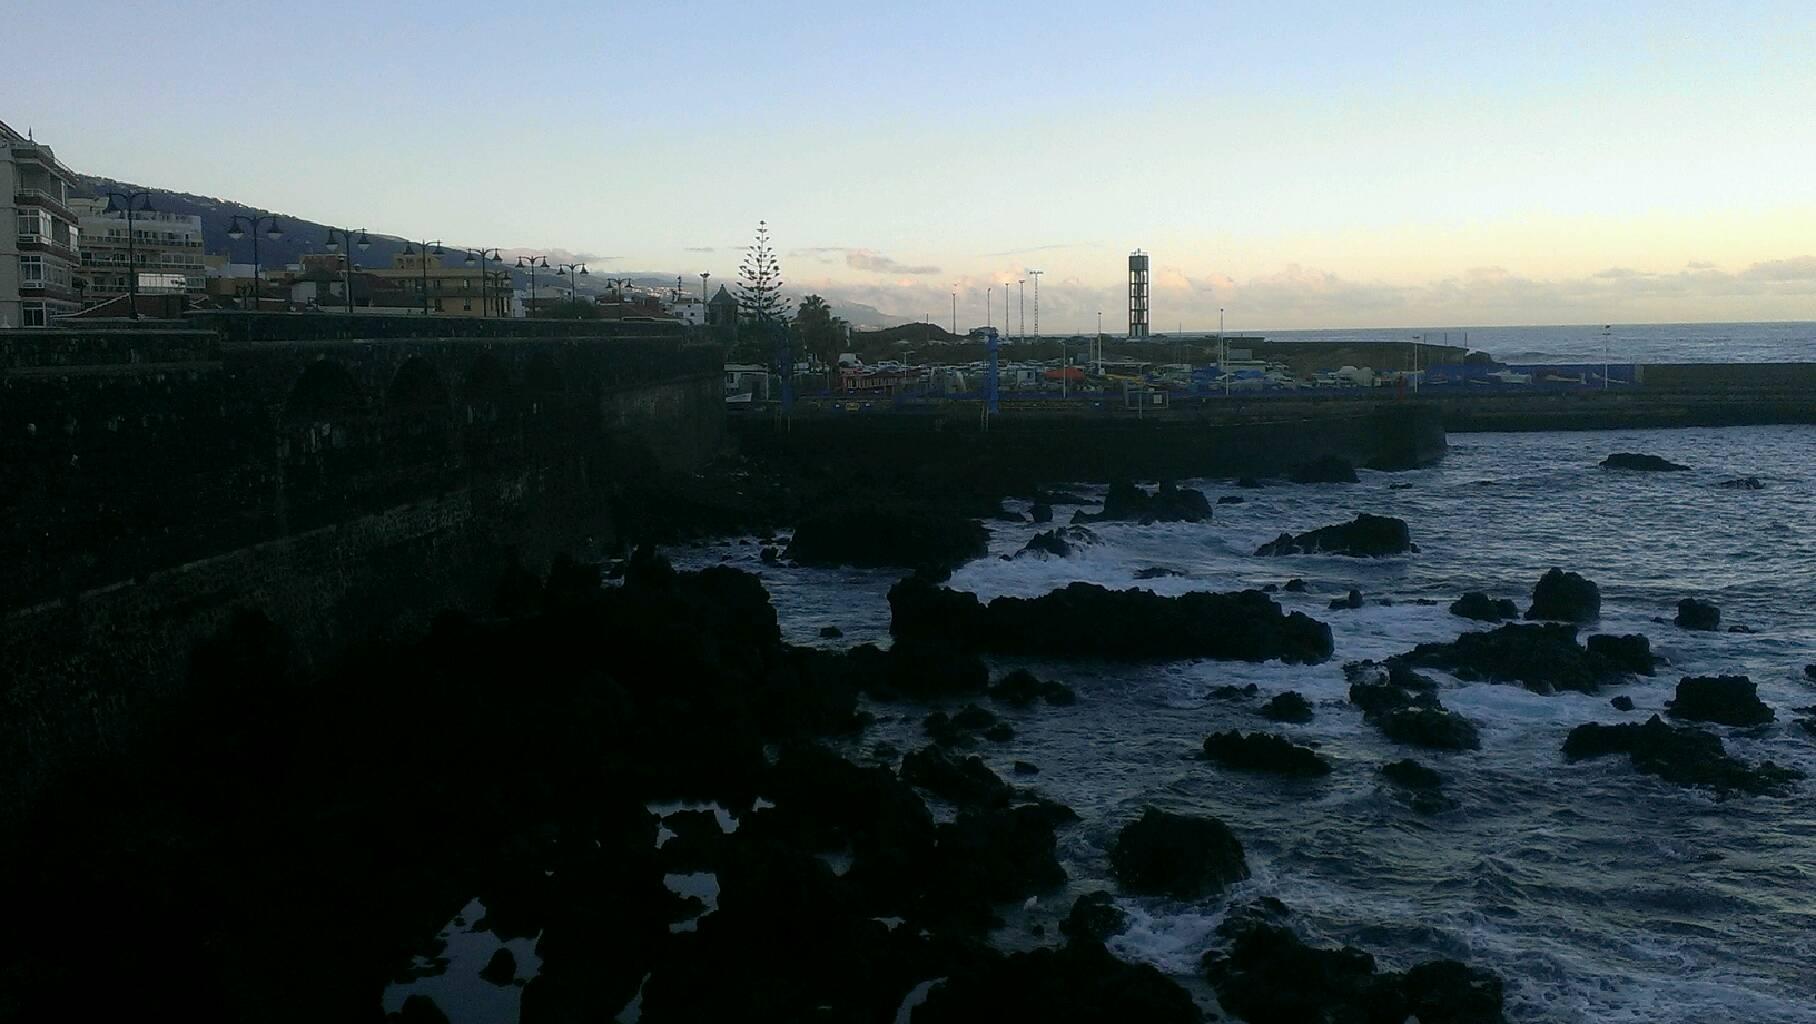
(760,281)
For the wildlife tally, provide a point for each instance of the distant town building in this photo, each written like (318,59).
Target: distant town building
(722,310)
(40,258)
(688,309)
(165,251)
(450,289)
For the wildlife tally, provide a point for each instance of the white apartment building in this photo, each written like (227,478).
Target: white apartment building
(40,240)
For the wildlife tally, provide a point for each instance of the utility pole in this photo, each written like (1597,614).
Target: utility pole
(955,310)
(989,310)
(1223,353)
(1606,354)
(1100,343)
(1021,333)
(1035,274)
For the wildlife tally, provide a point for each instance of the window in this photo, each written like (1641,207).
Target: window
(467,306)
(32,314)
(34,226)
(31,269)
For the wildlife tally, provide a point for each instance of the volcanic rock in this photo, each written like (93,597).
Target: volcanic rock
(1541,657)
(1745,483)
(1328,469)
(1231,499)
(874,535)
(1155,572)
(1366,536)
(1290,706)
(1678,754)
(1127,503)
(1628,653)
(1021,688)
(1479,606)
(1086,620)
(1642,463)
(1621,703)
(1041,512)
(501,969)
(831,632)
(1565,597)
(1094,917)
(968,783)
(1264,752)
(1060,542)
(1079,983)
(1694,614)
(1178,855)
(1294,586)
(1724,700)
(1432,728)
(1411,774)
(1349,603)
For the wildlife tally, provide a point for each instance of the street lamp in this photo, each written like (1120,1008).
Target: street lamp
(362,243)
(955,310)
(425,252)
(1100,343)
(241,226)
(129,203)
(532,262)
(573,272)
(480,257)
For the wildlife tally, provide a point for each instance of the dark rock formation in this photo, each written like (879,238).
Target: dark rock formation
(420,1009)
(1641,463)
(1093,918)
(1565,597)
(1127,503)
(501,969)
(1482,608)
(1411,774)
(1294,586)
(1230,691)
(1025,768)
(1041,512)
(1629,653)
(1431,728)
(1366,536)
(993,856)
(831,632)
(1621,703)
(1264,752)
(1328,469)
(878,535)
(968,783)
(1724,700)
(1231,499)
(1086,620)
(1021,688)
(1290,706)
(1155,572)
(1348,603)
(1080,983)
(1745,483)
(1060,542)
(1809,672)
(1248,483)
(1269,975)
(1402,486)
(915,669)
(1178,855)
(1694,614)
(1541,657)
(1678,754)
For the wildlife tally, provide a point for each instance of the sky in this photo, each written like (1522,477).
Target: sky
(1294,165)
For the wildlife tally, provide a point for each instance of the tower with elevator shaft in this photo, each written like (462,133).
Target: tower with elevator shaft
(1138,295)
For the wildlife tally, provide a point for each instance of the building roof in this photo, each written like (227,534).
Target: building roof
(723,297)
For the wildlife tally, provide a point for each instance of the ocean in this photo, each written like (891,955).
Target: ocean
(1784,342)
(1598,894)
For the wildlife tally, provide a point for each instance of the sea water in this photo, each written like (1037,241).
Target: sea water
(1597,893)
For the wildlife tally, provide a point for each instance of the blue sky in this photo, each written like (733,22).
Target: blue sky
(1298,164)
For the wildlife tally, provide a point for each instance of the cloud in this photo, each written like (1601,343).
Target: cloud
(864,259)
(1036,248)
(700,248)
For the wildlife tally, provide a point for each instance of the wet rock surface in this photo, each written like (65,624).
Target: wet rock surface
(1694,614)
(1290,706)
(1638,462)
(1565,597)
(1482,608)
(1178,855)
(1168,503)
(1678,754)
(1086,620)
(1268,974)
(1543,657)
(1724,700)
(1366,536)
(1329,469)
(879,535)
(1264,752)
(1022,688)
(1062,542)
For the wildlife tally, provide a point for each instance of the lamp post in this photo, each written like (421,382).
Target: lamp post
(573,272)
(422,248)
(362,243)
(1607,353)
(989,310)
(1223,355)
(481,257)
(532,262)
(130,203)
(1100,343)
(955,310)
(1021,333)
(241,226)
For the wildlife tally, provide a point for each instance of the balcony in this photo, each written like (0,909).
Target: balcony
(46,200)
